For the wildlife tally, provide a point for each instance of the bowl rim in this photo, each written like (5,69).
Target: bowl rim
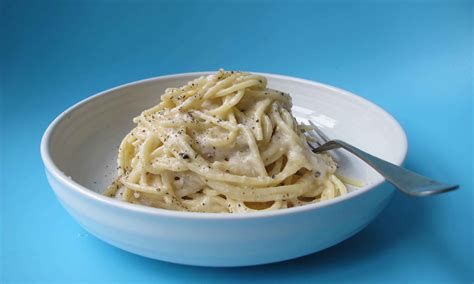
(52,168)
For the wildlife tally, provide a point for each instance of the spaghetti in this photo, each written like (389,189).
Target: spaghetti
(222,143)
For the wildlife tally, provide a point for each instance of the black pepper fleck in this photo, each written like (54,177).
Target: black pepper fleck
(184,155)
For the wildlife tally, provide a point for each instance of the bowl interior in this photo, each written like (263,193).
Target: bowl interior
(84,140)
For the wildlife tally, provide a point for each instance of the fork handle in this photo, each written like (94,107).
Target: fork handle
(407,181)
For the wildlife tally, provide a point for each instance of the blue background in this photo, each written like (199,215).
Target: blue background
(413,59)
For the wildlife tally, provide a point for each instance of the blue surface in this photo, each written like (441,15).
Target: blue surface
(415,60)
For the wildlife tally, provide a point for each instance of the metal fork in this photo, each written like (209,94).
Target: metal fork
(404,180)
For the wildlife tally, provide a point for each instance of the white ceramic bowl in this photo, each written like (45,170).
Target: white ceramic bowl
(79,150)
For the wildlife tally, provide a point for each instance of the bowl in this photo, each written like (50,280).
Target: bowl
(79,151)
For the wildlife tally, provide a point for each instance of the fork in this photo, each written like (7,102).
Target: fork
(404,180)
